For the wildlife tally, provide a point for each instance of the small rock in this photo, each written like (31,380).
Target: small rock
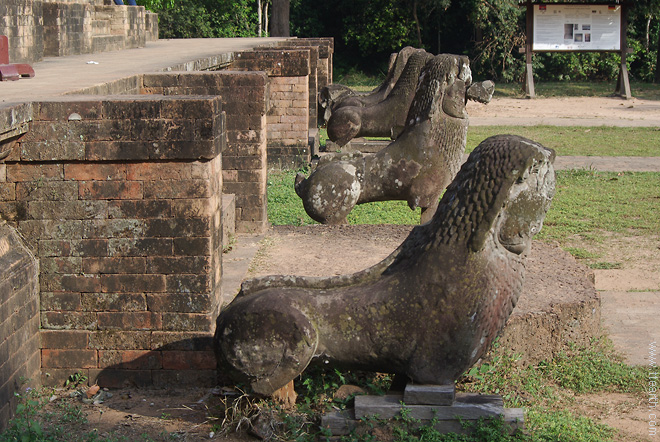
(346,391)
(91,391)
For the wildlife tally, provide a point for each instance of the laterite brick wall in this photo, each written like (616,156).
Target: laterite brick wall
(120,199)
(67,28)
(22,22)
(244,96)
(326,47)
(288,72)
(57,28)
(312,84)
(19,318)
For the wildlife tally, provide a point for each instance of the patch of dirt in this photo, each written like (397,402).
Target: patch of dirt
(161,414)
(321,250)
(637,259)
(564,111)
(625,412)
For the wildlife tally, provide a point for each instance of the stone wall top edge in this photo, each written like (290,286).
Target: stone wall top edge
(124,97)
(13,119)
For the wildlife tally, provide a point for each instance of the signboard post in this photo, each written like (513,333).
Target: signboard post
(577,27)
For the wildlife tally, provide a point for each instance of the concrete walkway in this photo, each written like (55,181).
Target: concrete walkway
(60,75)
(609,164)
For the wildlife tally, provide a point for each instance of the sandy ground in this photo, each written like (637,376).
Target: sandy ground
(566,111)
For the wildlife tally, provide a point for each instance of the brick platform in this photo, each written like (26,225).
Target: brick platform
(19,320)
(288,72)
(120,200)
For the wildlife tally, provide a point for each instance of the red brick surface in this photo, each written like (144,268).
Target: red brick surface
(122,206)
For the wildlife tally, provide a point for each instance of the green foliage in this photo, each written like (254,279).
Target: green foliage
(547,425)
(75,380)
(488,31)
(645,91)
(594,368)
(576,66)
(318,385)
(618,202)
(25,426)
(204,18)
(500,23)
(284,206)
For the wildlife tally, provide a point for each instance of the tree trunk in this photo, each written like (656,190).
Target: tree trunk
(266,17)
(417,27)
(657,62)
(259,11)
(279,26)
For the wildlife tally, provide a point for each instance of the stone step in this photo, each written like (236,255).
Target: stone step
(342,423)
(105,43)
(425,404)
(228,220)
(419,394)
(467,406)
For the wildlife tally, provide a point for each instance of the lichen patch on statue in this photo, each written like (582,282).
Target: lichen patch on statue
(428,311)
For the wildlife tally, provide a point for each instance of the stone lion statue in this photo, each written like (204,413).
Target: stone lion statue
(351,118)
(334,96)
(427,312)
(418,165)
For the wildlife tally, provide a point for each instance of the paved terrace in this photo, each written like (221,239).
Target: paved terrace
(61,75)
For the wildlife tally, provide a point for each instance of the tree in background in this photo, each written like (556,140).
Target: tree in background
(204,18)
(367,31)
(279,24)
(644,34)
(489,31)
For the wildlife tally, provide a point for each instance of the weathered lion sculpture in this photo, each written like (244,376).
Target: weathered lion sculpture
(334,96)
(429,310)
(382,118)
(418,165)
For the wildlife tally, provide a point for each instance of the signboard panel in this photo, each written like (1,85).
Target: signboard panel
(577,27)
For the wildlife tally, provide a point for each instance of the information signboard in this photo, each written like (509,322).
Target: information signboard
(563,27)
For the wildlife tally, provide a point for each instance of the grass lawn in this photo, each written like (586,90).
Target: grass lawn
(574,140)
(646,91)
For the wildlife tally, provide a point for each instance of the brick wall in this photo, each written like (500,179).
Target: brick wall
(151,26)
(288,104)
(19,317)
(22,22)
(120,199)
(244,99)
(326,47)
(57,28)
(67,28)
(312,85)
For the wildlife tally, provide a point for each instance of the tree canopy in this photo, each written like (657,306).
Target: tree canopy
(367,31)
